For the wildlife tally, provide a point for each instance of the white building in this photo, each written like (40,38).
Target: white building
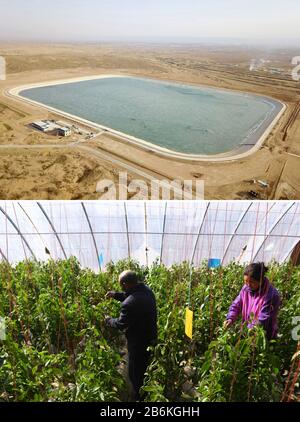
(51,126)
(64,131)
(42,125)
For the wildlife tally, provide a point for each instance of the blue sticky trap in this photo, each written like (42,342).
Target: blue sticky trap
(214,263)
(101,259)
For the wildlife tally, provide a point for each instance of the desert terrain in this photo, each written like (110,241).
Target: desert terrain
(34,165)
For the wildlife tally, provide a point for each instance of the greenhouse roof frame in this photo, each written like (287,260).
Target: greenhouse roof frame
(170,232)
(92,234)
(3,255)
(274,226)
(235,231)
(53,228)
(15,226)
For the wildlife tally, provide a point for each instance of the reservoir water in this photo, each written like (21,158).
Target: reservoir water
(182,118)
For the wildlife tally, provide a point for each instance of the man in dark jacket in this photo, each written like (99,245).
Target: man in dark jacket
(138,318)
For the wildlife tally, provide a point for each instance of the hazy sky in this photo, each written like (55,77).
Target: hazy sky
(96,20)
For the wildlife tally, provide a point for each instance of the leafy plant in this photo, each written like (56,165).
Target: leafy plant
(58,348)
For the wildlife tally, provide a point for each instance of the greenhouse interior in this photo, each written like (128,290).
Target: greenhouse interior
(58,261)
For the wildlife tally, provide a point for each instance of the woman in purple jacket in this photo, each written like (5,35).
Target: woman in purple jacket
(257,303)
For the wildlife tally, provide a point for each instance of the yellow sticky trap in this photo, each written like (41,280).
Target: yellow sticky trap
(189,323)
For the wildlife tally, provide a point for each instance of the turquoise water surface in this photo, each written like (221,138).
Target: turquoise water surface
(178,117)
